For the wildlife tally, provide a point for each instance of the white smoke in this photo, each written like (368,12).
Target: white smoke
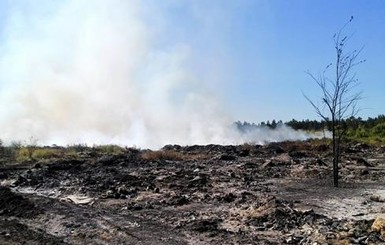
(94,72)
(264,134)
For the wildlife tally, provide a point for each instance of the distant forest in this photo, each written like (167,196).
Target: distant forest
(371,130)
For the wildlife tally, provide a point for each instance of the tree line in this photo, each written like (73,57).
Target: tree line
(370,130)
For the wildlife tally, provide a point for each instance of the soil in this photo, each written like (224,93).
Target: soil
(281,193)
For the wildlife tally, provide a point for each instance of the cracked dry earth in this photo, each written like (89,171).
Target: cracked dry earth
(279,193)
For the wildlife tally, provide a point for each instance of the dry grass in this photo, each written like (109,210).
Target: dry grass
(247,146)
(244,214)
(318,145)
(172,155)
(197,156)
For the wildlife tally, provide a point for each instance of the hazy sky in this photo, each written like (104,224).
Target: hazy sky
(257,51)
(246,59)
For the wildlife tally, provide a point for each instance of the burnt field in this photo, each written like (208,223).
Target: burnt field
(279,193)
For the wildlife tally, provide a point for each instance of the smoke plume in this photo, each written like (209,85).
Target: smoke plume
(101,72)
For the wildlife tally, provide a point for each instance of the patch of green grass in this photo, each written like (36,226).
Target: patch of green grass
(109,149)
(374,135)
(29,153)
(47,153)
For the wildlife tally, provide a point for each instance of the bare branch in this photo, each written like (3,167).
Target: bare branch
(337,92)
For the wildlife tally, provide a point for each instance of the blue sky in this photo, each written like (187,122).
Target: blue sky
(252,54)
(268,45)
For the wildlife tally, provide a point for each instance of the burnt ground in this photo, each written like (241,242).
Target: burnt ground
(280,193)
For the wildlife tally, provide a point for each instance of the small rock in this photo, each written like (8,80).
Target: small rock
(78,199)
(360,239)
(376,198)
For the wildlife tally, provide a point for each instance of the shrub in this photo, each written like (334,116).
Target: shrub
(378,130)
(23,154)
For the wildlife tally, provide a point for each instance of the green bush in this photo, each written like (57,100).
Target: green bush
(378,130)
(23,154)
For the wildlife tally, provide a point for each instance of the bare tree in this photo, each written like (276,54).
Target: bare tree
(338,96)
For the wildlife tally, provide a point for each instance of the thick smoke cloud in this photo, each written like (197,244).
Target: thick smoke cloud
(102,72)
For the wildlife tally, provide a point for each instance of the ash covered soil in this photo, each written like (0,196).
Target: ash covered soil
(280,193)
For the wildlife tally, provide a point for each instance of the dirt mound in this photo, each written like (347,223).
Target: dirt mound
(13,204)
(13,232)
(281,215)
